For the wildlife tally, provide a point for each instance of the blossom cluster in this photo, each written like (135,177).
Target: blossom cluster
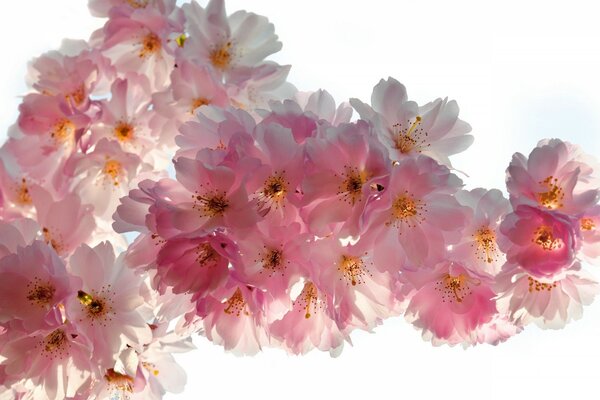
(164,179)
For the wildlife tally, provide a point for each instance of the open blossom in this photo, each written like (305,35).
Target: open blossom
(589,225)
(108,306)
(360,295)
(549,303)
(142,42)
(65,223)
(55,360)
(347,168)
(227,43)
(416,216)
(449,302)
(309,324)
(34,282)
(543,243)
(408,129)
(555,176)
(478,245)
(104,175)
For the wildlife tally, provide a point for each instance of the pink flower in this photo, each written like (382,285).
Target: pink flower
(65,223)
(361,296)
(234,317)
(416,216)
(556,176)
(34,282)
(450,303)
(408,129)
(543,243)
(195,265)
(56,360)
(549,303)
(108,306)
(102,8)
(322,104)
(215,199)
(104,175)
(227,43)
(271,256)
(347,168)
(589,226)
(53,119)
(14,191)
(310,324)
(142,42)
(478,246)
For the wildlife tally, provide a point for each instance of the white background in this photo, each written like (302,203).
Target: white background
(520,71)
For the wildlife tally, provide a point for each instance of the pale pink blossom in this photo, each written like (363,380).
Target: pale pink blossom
(102,8)
(227,43)
(543,243)
(589,225)
(478,246)
(255,88)
(407,129)
(108,307)
(416,216)
(34,282)
(65,223)
(19,232)
(549,303)
(555,176)
(346,169)
(448,303)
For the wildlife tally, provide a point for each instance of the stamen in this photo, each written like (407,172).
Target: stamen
(150,45)
(40,293)
(455,288)
(351,187)
(211,204)
(272,261)
(55,343)
(535,285)
(181,40)
(308,298)
(113,170)
(97,305)
(63,132)
(587,224)
(198,102)
(411,138)
(205,255)
(124,131)
(221,56)
(53,240)
(77,96)
(272,194)
(150,367)
(485,238)
(353,269)
(543,237)
(236,304)
(407,210)
(553,197)
(23,196)
(119,381)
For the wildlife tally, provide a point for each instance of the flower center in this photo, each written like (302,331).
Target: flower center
(55,342)
(198,102)
(220,57)
(180,40)
(205,255)
(124,131)
(119,381)
(535,285)
(236,304)
(544,238)
(551,198)
(40,293)
(454,288)
(77,96)
(137,3)
(272,194)
(63,132)
(211,204)
(23,196)
(409,138)
(587,224)
(273,261)
(486,244)
(95,306)
(150,45)
(308,298)
(353,269)
(406,210)
(113,170)
(50,239)
(351,187)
